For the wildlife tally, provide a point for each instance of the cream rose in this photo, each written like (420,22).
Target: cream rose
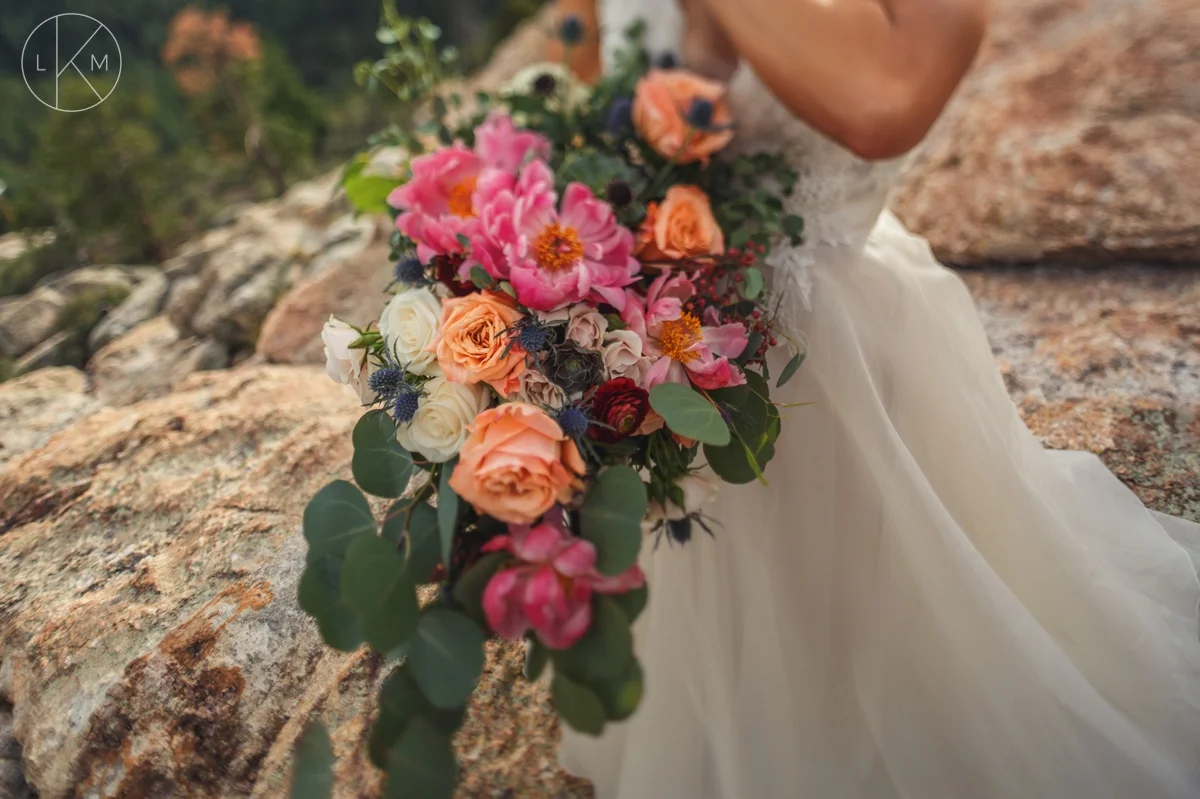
(586,327)
(350,367)
(623,356)
(443,418)
(409,323)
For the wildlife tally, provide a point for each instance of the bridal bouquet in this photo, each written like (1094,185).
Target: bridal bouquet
(577,336)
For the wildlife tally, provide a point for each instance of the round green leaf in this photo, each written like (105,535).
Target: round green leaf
(604,650)
(752,283)
(320,597)
(334,517)
(312,775)
(577,705)
(468,589)
(536,658)
(632,603)
(689,414)
(380,465)
(447,510)
(377,587)
(423,547)
(611,518)
(622,694)
(446,657)
(421,764)
(395,518)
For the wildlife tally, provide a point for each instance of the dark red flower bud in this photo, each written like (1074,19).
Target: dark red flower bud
(620,405)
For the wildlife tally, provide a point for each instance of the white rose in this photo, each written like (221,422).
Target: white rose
(439,427)
(697,492)
(536,389)
(409,323)
(623,356)
(586,327)
(350,367)
(569,93)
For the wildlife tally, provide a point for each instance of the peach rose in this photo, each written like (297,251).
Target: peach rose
(471,343)
(516,464)
(683,226)
(660,101)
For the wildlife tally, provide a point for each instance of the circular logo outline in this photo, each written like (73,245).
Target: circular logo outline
(120,63)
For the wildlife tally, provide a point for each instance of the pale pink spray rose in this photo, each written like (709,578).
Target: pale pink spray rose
(550,589)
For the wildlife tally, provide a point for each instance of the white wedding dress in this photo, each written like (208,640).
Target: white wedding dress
(924,603)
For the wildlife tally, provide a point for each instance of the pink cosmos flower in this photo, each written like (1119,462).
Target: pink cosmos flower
(686,348)
(551,589)
(552,257)
(438,202)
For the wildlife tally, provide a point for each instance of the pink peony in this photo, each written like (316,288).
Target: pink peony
(551,589)
(553,257)
(438,201)
(684,347)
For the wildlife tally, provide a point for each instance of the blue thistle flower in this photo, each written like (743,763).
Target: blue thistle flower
(387,382)
(619,119)
(534,338)
(573,421)
(571,29)
(700,114)
(680,530)
(410,272)
(405,406)
(666,60)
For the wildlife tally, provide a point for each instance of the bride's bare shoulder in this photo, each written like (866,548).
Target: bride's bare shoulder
(873,75)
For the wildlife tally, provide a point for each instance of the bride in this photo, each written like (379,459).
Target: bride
(924,603)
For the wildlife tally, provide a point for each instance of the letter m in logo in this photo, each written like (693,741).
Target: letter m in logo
(101,63)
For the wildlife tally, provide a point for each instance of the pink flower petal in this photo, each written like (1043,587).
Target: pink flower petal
(502,604)
(576,559)
(727,340)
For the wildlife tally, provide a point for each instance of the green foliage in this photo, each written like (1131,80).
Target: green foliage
(756,425)
(21,274)
(578,705)
(377,587)
(604,650)
(611,518)
(447,509)
(312,775)
(422,764)
(689,413)
(366,192)
(381,467)
(790,370)
(446,657)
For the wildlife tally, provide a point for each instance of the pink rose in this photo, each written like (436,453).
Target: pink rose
(502,145)
(553,257)
(550,589)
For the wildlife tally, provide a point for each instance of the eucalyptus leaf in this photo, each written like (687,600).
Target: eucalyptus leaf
(377,586)
(536,658)
(632,603)
(381,466)
(423,547)
(334,517)
(622,694)
(752,283)
(421,764)
(578,705)
(319,595)
(611,518)
(790,370)
(446,657)
(312,774)
(690,414)
(603,652)
(447,510)
(481,278)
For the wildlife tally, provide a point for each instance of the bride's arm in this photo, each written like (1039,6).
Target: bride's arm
(585,56)
(871,74)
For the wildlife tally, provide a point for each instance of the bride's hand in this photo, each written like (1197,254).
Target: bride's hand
(706,48)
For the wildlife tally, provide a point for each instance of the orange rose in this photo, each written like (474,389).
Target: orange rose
(660,101)
(471,342)
(682,227)
(516,464)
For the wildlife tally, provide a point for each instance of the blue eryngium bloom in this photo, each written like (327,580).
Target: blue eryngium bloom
(700,114)
(573,421)
(619,119)
(534,338)
(387,382)
(410,272)
(666,60)
(571,29)
(405,407)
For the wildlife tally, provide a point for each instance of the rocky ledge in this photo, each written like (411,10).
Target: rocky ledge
(149,633)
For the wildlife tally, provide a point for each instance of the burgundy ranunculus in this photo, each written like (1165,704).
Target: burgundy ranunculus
(446,268)
(621,405)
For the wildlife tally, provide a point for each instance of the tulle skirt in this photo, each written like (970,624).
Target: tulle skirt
(923,603)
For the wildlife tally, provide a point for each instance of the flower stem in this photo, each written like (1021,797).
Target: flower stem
(653,185)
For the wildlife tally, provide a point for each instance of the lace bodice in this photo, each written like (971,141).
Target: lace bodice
(839,195)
